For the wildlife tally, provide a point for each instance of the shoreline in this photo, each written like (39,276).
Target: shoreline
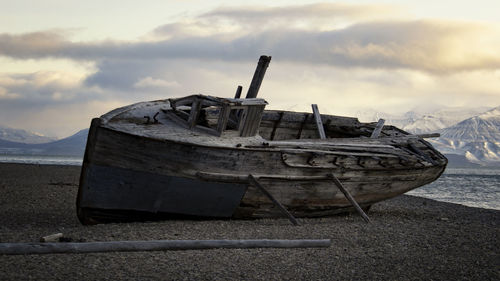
(410,193)
(409,238)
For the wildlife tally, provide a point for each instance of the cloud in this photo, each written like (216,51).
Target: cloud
(228,22)
(300,34)
(5,95)
(342,56)
(311,16)
(32,45)
(41,87)
(148,82)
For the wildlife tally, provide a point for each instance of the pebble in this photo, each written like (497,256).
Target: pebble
(405,240)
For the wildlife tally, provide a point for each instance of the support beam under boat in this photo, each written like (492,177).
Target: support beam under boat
(252,180)
(349,197)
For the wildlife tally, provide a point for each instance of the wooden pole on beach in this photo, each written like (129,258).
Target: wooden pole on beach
(155,245)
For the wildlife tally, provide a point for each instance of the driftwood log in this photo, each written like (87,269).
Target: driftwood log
(155,245)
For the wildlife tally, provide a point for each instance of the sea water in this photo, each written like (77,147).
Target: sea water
(42,159)
(471,187)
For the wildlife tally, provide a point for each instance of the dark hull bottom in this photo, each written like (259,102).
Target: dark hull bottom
(110,194)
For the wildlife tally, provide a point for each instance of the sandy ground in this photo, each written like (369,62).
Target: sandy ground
(410,238)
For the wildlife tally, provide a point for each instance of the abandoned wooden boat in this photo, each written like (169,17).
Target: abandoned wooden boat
(203,156)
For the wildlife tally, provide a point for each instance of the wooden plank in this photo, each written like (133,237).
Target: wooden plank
(302,125)
(426,136)
(195,111)
(239,178)
(155,245)
(237,95)
(254,101)
(298,117)
(319,123)
(378,129)
(421,153)
(276,125)
(225,110)
(88,157)
(349,197)
(255,183)
(251,120)
(174,103)
(258,76)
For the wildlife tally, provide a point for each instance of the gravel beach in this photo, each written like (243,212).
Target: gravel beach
(410,238)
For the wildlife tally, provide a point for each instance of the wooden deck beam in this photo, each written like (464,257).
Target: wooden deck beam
(319,123)
(378,129)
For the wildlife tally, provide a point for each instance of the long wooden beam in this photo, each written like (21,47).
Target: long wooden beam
(349,197)
(432,135)
(155,245)
(257,184)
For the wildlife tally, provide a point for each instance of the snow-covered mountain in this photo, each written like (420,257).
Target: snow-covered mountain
(477,138)
(484,127)
(420,121)
(22,136)
(470,134)
(433,122)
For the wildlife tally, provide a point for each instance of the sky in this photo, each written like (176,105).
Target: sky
(63,62)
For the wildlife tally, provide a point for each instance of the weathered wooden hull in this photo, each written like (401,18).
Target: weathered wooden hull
(126,176)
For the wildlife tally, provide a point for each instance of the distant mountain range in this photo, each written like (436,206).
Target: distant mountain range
(70,146)
(470,137)
(22,136)
(477,138)
(444,118)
